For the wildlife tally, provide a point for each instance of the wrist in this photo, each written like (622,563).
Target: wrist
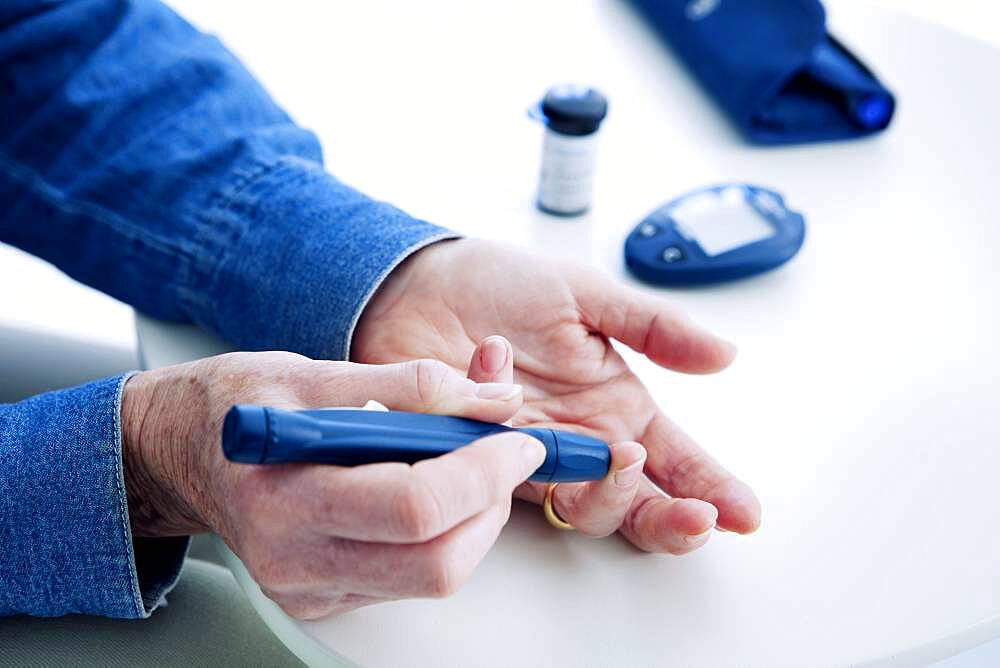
(397,285)
(155,473)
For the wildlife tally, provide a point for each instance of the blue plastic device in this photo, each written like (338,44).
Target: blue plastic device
(346,437)
(715,234)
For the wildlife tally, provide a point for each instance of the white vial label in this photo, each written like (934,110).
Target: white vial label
(567,179)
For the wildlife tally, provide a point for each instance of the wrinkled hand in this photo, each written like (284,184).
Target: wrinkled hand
(322,539)
(559,318)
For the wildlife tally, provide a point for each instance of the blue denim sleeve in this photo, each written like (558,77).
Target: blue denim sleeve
(141,158)
(65,543)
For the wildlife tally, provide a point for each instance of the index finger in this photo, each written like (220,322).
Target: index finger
(650,326)
(401,503)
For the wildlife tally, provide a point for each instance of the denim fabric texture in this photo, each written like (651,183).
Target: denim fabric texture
(141,158)
(64,533)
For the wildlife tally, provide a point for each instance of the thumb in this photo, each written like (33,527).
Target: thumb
(421,386)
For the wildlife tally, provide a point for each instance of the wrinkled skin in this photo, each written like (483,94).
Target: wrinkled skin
(322,539)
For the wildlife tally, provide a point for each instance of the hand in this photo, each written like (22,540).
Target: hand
(559,319)
(322,539)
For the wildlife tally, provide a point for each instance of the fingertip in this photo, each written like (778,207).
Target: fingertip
(528,445)
(499,391)
(627,452)
(693,517)
(683,345)
(627,461)
(672,525)
(739,508)
(597,508)
(520,453)
(492,361)
(534,451)
(727,353)
(696,541)
(486,401)
(493,354)
(533,454)
(709,353)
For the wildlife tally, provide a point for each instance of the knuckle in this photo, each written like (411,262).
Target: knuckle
(429,377)
(418,515)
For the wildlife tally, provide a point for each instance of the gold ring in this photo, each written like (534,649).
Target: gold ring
(550,512)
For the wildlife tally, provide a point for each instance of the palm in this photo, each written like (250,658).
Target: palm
(572,377)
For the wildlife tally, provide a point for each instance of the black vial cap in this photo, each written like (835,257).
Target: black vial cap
(574,110)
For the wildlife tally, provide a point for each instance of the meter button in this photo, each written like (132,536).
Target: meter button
(769,203)
(672,254)
(647,230)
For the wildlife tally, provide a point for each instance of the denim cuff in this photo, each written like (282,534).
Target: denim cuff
(289,258)
(65,542)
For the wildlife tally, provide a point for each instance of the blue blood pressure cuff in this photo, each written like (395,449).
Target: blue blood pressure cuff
(772,67)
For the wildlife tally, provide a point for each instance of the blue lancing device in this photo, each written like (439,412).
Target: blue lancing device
(715,234)
(347,437)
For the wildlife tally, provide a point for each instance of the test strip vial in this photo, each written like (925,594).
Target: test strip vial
(572,116)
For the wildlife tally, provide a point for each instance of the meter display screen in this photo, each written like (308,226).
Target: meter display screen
(720,222)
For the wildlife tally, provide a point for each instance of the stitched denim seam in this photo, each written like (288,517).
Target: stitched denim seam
(377,283)
(217,232)
(140,608)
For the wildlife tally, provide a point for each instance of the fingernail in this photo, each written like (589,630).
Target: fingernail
(697,538)
(498,391)
(493,354)
(731,348)
(629,476)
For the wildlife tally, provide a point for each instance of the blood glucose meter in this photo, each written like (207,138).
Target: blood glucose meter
(714,234)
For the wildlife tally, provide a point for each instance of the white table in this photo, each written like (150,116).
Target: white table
(863,407)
